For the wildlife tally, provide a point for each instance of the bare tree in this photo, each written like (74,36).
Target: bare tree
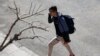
(31,13)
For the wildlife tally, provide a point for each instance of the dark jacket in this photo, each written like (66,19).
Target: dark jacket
(56,21)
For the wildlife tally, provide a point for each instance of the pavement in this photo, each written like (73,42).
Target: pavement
(84,42)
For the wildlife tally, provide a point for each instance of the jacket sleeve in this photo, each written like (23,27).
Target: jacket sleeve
(50,20)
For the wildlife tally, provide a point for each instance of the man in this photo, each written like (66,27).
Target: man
(62,30)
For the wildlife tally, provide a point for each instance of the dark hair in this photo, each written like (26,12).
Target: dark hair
(53,8)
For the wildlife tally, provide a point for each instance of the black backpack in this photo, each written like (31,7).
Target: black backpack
(70,23)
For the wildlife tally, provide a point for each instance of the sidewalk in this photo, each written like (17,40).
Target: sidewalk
(14,50)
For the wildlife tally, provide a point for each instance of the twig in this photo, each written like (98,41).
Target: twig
(34,8)
(34,27)
(33,30)
(33,14)
(39,7)
(30,7)
(28,22)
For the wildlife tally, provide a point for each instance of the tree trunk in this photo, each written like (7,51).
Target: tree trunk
(9,33)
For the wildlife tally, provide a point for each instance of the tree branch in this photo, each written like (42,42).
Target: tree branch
(37,13)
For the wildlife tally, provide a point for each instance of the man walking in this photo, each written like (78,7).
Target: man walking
(64,26)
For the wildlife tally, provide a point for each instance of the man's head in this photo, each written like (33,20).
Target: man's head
(53,11)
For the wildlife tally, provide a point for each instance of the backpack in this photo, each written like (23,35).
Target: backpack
(70,22)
